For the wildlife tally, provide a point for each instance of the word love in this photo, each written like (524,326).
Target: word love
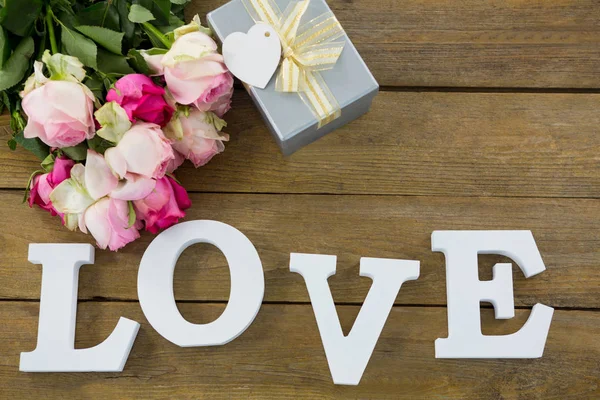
(347,356)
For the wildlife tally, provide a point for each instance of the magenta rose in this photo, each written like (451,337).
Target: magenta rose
(142,99)
(164,207)
(196,73)
(43,185)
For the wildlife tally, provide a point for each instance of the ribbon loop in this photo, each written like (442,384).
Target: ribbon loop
(307,49)
(320,57)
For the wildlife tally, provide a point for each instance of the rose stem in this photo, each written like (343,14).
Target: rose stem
(50,26)
(158,34)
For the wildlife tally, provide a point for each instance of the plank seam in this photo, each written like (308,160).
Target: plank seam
(292,303)
(478,89)
(491,90)
(591,198)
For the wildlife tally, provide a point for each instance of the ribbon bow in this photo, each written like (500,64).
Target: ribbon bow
(307,50)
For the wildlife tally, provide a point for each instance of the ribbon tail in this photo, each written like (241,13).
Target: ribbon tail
(289,78)
(318,97)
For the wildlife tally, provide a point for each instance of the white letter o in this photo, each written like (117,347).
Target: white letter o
(155,284)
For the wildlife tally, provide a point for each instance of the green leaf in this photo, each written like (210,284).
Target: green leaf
(155,42)
(76,153)
(17,65)
(48,163)
(127,27)
(137,61)
(110,40)
(18,16)
(77,45)
(156,51)
(99,145)
(67,19)
(35,145)
(9,102)
(103,14)
(96,86)
(180,2)
(161,9)
(132,216)
(174,23)
(140,14)
(110,63)
(4,47)
(178,10)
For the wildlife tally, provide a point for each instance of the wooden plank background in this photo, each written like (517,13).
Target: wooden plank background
(488,119)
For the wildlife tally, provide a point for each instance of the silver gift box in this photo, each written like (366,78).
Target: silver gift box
(291,122)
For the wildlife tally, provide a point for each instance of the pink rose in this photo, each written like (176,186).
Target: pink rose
(196,137)
(43,185)
(222,103)
(95,201)
(108,222)
(164,207)
(61,113)
(176,162)
(143,150)
(196,73)
(142,99)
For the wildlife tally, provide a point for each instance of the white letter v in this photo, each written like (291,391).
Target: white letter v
(348,356)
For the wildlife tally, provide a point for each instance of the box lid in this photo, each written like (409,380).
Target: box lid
(349,80)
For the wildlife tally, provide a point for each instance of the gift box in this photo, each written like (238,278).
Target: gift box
(289,117)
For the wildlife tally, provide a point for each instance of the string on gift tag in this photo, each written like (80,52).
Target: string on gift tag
(307,49)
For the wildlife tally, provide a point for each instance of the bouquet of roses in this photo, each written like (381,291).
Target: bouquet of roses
(113,96)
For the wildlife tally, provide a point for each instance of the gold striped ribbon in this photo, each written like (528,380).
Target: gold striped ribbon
(307,49)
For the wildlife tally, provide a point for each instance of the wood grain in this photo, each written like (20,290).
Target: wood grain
(281,356)
(419,162)
(457,144)
(567,233)
(471,43)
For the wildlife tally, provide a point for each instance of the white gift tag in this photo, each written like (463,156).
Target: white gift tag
(253,57)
